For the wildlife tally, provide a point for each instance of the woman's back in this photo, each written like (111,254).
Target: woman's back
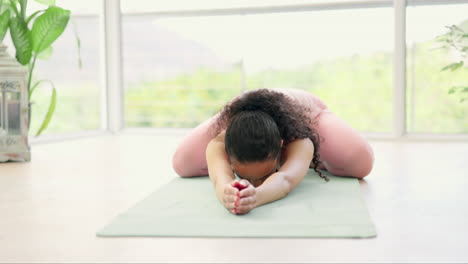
(303,99)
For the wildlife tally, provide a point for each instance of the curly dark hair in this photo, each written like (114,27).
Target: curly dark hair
(256,121)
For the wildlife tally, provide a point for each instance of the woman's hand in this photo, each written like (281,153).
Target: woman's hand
(231,195)
(239,197)
(245,197)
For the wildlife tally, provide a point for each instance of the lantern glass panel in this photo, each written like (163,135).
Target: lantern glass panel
(14,113)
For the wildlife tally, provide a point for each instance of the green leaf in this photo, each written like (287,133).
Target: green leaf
(22,40)
(45,54)
(46,2)
(48,27)
(458,89)
(4,22)
(31,17)
(6,6)
(453,66)
(13,7)
(460,64)
(50,112)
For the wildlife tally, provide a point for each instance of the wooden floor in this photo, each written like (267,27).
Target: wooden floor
(51,208)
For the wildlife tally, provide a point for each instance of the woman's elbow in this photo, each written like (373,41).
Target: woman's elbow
(181,165)
(177,164)
(365,164)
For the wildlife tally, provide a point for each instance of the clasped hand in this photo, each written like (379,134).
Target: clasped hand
(241,199)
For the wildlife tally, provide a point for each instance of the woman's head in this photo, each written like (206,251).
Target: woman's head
(252,136)
(253,144)
(258,124)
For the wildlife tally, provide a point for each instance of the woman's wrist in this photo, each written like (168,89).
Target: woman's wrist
(273,188)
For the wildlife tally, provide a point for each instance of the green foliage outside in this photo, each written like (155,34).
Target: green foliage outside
(77,109)
(357,88)
(456,40)
(436,111)
(187,100)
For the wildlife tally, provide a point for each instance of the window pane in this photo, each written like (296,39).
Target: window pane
(430,108)
(344,57)
(187,68)
(78,91)
(179,71)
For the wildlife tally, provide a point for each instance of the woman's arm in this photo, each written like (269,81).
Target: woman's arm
(220,172)
(298,155)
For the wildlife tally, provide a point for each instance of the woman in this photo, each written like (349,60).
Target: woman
(270,138)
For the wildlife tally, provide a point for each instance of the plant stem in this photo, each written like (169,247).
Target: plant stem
(23,6)
(31,68)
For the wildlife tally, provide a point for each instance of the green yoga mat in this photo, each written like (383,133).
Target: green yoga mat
(187,207)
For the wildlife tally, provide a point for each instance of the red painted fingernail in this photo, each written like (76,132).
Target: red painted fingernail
(239,186)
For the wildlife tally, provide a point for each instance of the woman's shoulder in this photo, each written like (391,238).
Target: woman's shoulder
(220,137)
(296,148)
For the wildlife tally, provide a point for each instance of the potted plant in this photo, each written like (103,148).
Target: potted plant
(33,36)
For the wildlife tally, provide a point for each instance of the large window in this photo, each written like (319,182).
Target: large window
(183,60)
(188,67)
(179,71)
(430,109)
(344,57)
(78,89)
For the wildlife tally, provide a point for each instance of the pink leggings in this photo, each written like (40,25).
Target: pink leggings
(343,151)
